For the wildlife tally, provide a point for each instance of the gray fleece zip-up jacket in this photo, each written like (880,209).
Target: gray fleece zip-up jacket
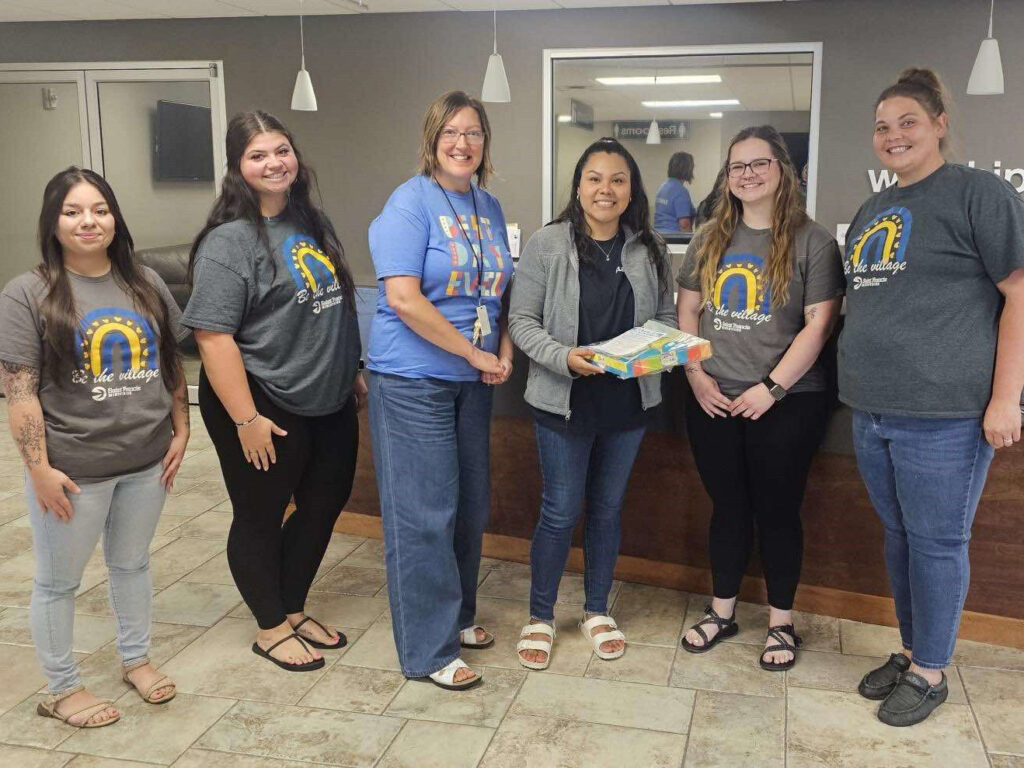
(544,312)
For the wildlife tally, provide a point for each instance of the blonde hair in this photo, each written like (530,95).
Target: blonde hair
(438,114)
(787,217)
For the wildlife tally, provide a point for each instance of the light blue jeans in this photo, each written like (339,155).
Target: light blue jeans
(125,511)
(924,477)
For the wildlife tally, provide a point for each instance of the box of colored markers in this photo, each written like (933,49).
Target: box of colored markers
(651,348)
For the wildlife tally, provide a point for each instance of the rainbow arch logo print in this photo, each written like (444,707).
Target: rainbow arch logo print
(310,268)
(114,339)
(741,285)
(883,241)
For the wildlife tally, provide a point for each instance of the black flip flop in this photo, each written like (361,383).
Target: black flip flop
(781,644)
(309,666)
(342,640)
(726,628)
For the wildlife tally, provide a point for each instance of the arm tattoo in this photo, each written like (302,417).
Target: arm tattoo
(692,368)
(20,382)
(181,403)
(30,441)
(811,313)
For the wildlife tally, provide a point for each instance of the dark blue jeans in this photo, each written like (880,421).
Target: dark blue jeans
(576,467)
(924,477)
(431,453)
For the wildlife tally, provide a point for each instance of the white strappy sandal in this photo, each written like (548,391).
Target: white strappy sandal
(445,677)
(586,627)
(536,645)
(467,637)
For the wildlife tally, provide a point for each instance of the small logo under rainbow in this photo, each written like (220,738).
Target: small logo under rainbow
(311,269)
(116,340)
(883,240)
(741,285)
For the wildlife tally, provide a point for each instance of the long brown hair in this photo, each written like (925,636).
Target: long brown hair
(61,318)
(237,200)
(788,216)
(438,114)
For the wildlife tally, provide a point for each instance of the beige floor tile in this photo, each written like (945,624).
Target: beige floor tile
(826,728)
(213,571)
(728,668)
(21,726)
(179,557)
(221,663)
(546,743)
(843,672)
(629,705)
(483,705)
(168,523)
(200,465)
(351,581)
(205,758)
(870,640)
(20,673)
(515,585)
(422,744)
(314,735)
(375,648)
(15,594)
(368,554)
(90,632)
(12,483)
(193,501)
(14,539)
(333,609)
(731,730)
(199,604)
(1006,761)
(997,697)
(225,506)
(819,633)
(95,602)
(208,525)
(649,664)
(89,761)
(354,689)
(149,733)
(211,487)
(12,507)
(650,615)
(26,757)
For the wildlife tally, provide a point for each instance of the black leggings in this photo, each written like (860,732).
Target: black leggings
(756,471)
(273,564)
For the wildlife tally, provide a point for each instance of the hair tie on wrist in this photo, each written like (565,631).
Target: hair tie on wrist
(247,422)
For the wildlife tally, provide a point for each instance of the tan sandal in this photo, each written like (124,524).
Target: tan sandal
(48,708)
(147,695)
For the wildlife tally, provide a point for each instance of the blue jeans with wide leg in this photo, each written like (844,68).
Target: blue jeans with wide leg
(431,453)
(924,477)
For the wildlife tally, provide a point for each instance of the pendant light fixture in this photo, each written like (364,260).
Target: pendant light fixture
(303,98)
(987,75)
(654,132)
(495,82)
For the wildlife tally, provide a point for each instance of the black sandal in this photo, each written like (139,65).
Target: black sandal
(726,628)
(781,644)
(309,666)
(342,640)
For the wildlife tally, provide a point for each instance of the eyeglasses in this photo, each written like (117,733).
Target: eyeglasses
(759,166)
(451,136)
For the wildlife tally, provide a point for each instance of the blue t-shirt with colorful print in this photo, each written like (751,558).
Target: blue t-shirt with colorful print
(417,235)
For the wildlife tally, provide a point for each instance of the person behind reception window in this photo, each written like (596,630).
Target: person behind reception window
(673,208)
(273,313)
(935,386)
(597,270)
(763,283)
(97,406)
(438,343)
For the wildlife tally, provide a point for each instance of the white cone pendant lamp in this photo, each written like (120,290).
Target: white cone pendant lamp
(495,82)
(303,97)
(654,133)
(987,75)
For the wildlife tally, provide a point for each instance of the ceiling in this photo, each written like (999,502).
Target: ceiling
(91,10)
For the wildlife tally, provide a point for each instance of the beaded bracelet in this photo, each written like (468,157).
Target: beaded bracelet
(247,422)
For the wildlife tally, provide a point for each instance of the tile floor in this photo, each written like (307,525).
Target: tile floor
(657,706)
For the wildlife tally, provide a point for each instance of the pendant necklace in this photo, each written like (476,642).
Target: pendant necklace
(608,253)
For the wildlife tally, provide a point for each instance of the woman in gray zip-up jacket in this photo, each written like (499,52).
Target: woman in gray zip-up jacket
(596,271)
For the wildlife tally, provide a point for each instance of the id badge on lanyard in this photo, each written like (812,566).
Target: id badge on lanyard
(482,324)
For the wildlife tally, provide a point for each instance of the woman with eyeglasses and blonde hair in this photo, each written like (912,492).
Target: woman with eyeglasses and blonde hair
(763,283)
(438,343)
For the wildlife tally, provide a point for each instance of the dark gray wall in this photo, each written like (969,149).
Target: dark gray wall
(375,74)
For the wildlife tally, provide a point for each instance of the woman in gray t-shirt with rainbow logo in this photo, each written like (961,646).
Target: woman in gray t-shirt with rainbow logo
(97,407)
(763,283)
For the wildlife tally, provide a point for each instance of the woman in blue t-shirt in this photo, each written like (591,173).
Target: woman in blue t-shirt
(673,208)
(437,342)
(931,359)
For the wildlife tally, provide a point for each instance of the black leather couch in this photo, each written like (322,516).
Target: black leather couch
(171,263)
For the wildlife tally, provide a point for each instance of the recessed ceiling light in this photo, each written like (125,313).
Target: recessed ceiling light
(692,103)
(565,118)
(660,80)
(714,114)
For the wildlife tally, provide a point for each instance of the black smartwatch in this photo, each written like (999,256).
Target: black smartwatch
(775,390)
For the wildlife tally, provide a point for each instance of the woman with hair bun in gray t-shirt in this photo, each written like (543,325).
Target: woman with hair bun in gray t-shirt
(763,283)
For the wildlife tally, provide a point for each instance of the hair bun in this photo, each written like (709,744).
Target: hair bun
(920,77)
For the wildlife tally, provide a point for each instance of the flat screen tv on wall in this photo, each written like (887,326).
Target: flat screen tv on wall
(184,143)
